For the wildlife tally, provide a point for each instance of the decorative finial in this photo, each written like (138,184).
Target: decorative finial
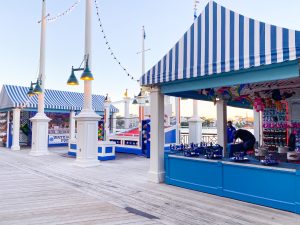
(126,93)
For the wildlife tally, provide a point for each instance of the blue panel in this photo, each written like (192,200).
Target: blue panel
(285,44)
(214,65)
(199,45)
(58,145)
(297,40)
(184,55)
(206,61)
(170,137)
(72,153)
(273,44)
(297,202)
(231,46)
(136,151)
(241,42)
(187,173)
(262,33)
(251,42)
(260,186)
(108,150)
(223,46)
(100,149)
(105,158)
(192,53)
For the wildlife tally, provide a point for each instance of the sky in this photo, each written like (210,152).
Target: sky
(165,22)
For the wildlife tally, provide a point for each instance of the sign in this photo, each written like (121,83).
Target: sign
(58,139)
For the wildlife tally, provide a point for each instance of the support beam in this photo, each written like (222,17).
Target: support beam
(107,105)
(177,115)
(126,111)
(195,125)
(16,129)
(72,127)
(157,171)
(257,127)
(221,124)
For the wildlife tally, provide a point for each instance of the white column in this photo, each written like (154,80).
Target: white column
(87,120)
(221,124)
(177,114)
(168,110)
(126,111)
(114,116)
(72,127)
(156,171)
(195,125)
(7,129)
(39,142)
(257,129)
(16,129)
(106,122)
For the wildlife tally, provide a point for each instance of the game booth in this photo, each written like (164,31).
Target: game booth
(233,60)
(60,106)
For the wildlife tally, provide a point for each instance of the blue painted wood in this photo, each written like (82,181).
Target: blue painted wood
(271,72)
(189,173)
(276,188)
(108,150)
(73,146)
(170,137)
(273,188)
(105,158)
(136,151)
(58,145)
(100,149)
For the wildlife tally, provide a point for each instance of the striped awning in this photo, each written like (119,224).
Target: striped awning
(16,96)
(221,40)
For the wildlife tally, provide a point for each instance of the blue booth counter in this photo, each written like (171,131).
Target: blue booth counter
(277,186)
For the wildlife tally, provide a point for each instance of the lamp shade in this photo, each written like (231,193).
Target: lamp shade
(87,74)
(72,79)
(30,92)
(134,102)
(37,89)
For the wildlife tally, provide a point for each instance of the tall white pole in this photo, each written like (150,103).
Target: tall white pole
(88,53)
(39,143)
(143,50)
(42,76)
(87,120)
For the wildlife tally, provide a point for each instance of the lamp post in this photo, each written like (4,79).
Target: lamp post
(39,145)
(87,119)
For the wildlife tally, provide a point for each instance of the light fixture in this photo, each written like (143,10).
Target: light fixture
(134,102)
(72,79)
(87,74)
(36,90)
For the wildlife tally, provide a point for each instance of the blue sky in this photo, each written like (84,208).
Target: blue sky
(165,22)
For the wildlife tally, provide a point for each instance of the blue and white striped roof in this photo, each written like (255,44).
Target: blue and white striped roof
(16,96)
(221,40)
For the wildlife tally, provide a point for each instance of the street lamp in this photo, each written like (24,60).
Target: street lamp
(87,119)
(40,122)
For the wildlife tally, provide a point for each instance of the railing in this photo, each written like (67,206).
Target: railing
(206,137)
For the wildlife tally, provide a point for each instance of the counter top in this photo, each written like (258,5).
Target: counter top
(290,167)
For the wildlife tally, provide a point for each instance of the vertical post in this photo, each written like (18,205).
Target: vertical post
(156,171)
(114,122)
(7,129)
(16,129)
(40,121)
(221,124)
(87,120)
(256,117)
(72,126)
(126,111)
(195,125)
(107,104)
(177,114)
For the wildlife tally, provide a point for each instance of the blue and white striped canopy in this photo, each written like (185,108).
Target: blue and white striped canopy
(16,96)
(221,40)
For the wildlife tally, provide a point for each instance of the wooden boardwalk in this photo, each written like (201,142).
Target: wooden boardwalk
(50,190)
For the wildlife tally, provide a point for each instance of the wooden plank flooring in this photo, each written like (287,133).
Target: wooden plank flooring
(51,190)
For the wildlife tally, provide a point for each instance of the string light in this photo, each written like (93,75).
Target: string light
(67,11)
(108,45)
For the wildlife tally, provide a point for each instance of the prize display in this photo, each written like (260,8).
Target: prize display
(269,160)
(275,126)
(239,157)
(207,150)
